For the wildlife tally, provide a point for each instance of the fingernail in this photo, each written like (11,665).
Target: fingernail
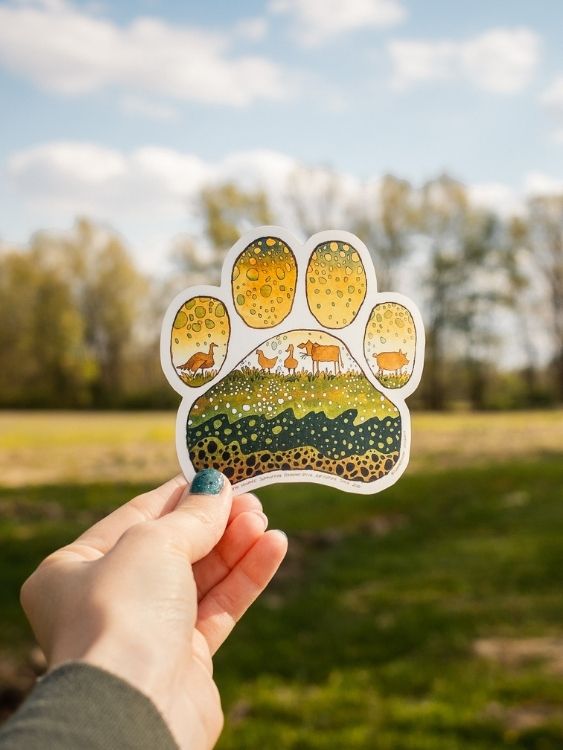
(279,531)
(207,482)
(263,517)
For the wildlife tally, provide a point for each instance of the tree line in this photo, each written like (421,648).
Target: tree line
(81,323)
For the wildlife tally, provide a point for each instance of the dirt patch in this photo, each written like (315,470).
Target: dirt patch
(518,652)
(520,719)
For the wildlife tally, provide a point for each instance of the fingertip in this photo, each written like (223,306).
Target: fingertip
(280,540)
(210,481)
(201,516)
(262,517)
(244,503)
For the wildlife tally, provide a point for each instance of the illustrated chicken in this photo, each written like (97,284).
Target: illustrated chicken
(200,361)
(266,363)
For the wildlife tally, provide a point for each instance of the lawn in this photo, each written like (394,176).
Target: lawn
(428,617)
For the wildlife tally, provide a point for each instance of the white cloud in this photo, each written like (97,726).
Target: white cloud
(509,200)
(153,110)
(552,97)
(317,21)
(146,193)
(64,48)
(58,163)
(76,177)
(415,61)
(496,196)
(253,29)
(552,100)
(539,183)
(499,60)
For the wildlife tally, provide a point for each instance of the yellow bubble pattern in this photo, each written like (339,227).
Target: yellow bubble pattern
(389,344)
(263,280)
(200,321)
(336,284)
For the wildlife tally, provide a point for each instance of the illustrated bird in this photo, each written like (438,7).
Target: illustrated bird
(290,363)
(266,363)
(200,361)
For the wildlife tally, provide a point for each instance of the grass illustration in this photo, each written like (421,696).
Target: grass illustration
(253,391)
(390,380)
(197,379)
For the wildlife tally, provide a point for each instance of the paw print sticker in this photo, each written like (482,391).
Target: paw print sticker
(294,369)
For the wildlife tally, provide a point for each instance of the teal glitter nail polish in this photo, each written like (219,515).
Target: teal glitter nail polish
(207,482)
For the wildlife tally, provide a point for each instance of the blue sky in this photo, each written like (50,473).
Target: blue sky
(123,110)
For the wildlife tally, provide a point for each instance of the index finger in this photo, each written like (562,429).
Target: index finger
(104,534)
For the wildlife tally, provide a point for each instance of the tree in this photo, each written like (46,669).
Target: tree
(110,295)
(460,286)
(317,199)
(225,211)
(228,208)
(543,238)
(386,224)
(42,346)
(521,280)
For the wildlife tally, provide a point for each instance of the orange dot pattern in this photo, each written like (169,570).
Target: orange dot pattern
(336,284)
(263,281)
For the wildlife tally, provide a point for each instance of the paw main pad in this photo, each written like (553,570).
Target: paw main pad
(294,369)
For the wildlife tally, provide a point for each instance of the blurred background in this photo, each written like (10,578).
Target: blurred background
(138,140)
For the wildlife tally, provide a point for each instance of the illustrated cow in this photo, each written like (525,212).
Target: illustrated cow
(322,353)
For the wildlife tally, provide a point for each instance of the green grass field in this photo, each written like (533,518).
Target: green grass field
(429,617)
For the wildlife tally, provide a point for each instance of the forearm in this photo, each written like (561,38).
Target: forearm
(80,706)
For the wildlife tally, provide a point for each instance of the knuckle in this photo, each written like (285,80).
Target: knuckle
(141,532)
(34,583)
(27,592)
(202,515)
(153,535)
(226,602)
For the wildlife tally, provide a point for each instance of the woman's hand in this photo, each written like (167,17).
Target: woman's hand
(151,592)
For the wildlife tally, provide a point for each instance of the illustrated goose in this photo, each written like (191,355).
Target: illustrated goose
(290,363)
(200,360)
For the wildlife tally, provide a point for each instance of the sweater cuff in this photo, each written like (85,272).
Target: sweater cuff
(81,706)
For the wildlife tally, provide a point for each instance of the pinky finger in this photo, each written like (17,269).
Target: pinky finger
(225,604)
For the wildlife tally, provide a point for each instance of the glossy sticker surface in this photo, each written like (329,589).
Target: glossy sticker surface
(295,369)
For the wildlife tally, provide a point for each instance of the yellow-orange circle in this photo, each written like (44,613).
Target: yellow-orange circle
(338,266)
(265,269)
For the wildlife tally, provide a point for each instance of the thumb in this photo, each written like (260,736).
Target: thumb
(198,521)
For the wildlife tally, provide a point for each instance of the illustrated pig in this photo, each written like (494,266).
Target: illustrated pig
(392,361)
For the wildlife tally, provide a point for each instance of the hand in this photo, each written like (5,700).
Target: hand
(151,592)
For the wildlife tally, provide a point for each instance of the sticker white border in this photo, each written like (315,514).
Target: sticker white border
(299,317)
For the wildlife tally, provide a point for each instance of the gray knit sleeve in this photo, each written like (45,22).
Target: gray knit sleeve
(78,706)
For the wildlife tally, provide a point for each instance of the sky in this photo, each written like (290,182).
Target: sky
(122,111)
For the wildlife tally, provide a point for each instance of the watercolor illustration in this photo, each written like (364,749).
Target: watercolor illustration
(295,369)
